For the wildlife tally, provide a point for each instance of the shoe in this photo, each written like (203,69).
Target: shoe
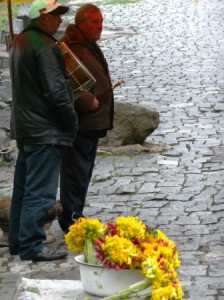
(48,255)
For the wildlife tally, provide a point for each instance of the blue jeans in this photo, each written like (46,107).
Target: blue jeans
(34,192)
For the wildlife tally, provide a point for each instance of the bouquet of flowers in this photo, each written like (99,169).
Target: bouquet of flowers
(127,243)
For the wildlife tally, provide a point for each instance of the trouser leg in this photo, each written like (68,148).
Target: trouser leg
(42,173)
(16,202)
(76,172)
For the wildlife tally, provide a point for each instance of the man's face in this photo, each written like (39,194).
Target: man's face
(51,23)
(92,26)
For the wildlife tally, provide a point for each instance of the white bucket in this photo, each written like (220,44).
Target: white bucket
(99,281)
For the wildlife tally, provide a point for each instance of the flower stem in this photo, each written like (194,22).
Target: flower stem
(134,288)
(89,252)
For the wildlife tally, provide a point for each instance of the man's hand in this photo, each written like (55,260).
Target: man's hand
(95,104)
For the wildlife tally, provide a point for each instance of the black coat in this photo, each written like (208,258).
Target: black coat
(42,103)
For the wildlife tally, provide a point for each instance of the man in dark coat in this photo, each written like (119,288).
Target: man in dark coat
(95,110)
(43,120)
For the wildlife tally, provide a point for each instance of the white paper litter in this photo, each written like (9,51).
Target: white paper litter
(38,289)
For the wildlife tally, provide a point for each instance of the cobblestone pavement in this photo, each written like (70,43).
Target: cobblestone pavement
(171,54)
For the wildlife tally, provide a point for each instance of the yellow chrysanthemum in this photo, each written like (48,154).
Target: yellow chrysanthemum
(164,277)
(119,250)
(149,268)
(130,227)
(172,291)
(83,229)
(156,235)
(158,244)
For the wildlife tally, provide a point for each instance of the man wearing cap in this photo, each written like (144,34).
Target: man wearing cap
(43,120)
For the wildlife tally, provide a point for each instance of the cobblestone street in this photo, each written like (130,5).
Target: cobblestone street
(171,55)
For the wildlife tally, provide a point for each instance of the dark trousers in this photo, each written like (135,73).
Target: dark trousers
(76,172)
(34,192)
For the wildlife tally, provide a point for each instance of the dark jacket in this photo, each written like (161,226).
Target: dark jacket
(42,103)
(92,57)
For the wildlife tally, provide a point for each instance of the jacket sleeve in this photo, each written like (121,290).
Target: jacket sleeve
(82,104)
(57,86)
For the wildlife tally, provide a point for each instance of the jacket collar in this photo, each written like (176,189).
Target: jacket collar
(35,27)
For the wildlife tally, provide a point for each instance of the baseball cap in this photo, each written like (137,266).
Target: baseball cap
(45,6)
